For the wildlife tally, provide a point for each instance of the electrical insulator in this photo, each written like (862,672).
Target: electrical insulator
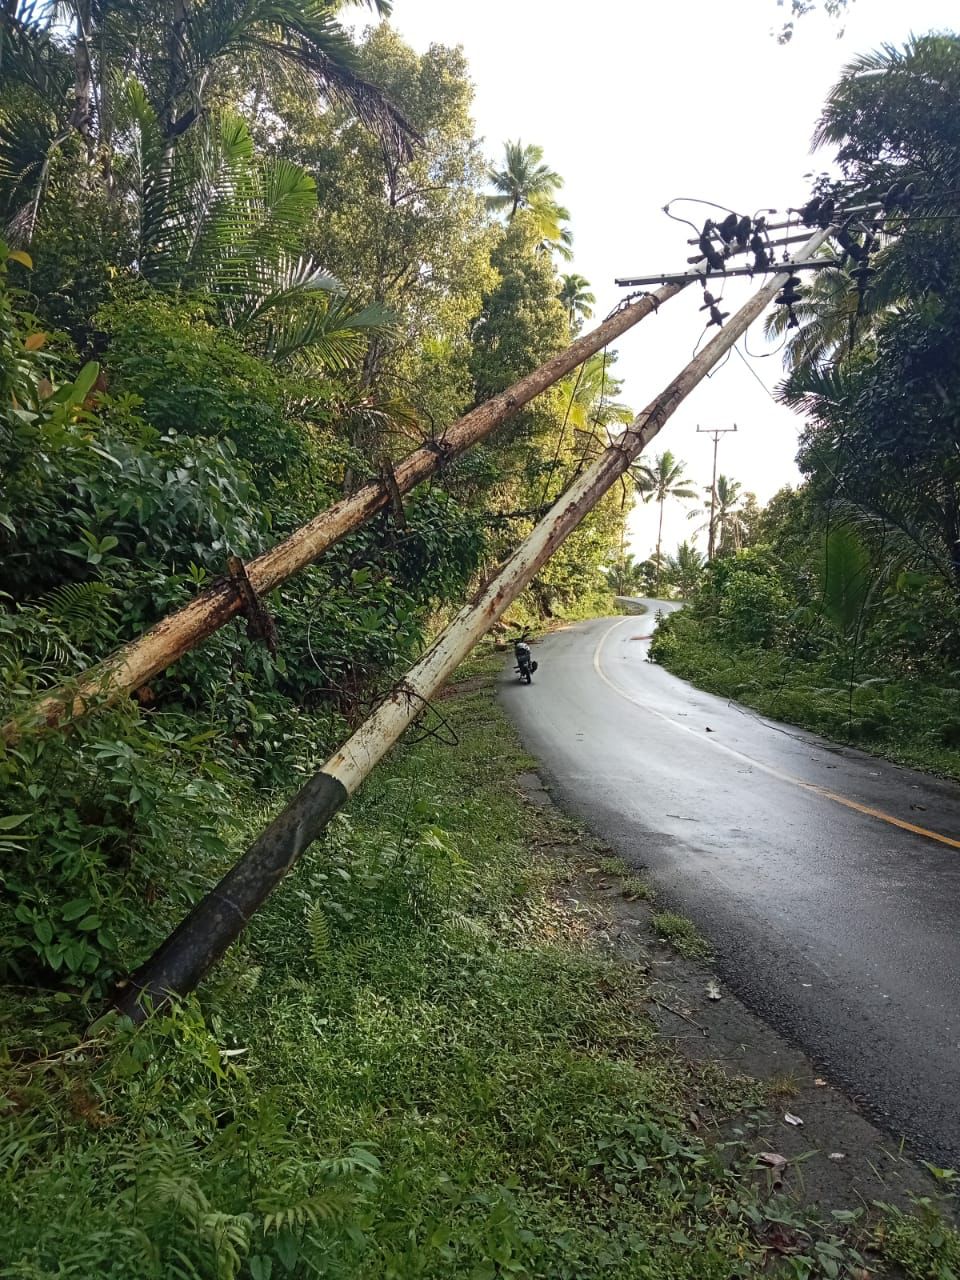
(761,259)
(790,294)
(825,212)
(743,232)
(728,227)
(708,300)
(708,248)
(810,213)
(717,316)
(852,248)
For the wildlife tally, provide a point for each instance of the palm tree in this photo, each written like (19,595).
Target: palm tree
(724,524)
(182,51)
(577,300)
(592,405)
(832,317)
(523,179)
(625,574)
(225,224)
(665,479)
(684,569)
(526,182)
(892,117)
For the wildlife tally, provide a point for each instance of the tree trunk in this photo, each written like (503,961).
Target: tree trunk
(176,81)
(659,540)
(81,116)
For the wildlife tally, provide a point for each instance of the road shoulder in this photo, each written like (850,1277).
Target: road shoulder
(836,1165)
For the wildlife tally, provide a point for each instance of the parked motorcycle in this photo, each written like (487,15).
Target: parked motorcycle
(525,664)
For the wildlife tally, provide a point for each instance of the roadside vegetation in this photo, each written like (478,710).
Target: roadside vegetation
(415,1064)
(246,260)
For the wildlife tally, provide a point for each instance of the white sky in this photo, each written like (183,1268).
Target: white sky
(636,102)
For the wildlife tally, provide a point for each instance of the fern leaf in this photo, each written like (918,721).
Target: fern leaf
(318,929)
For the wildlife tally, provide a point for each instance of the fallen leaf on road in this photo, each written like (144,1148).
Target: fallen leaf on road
(836,1155)
(773,1158)
(919,806)
(819,1081)
(776,1162)
(791,1118)
(708,729)
(713,990)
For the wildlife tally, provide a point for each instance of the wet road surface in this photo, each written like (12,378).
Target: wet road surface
(827,881)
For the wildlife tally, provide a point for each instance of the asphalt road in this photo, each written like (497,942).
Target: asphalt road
(827,881)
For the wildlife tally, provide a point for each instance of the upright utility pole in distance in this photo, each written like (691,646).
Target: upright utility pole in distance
(716,432)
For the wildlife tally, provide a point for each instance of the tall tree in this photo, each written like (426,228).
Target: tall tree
(684,569)
(577,300)
(526,182)
(892,120)
(187,55)
(665,479)
(410,235)
(523,180)
(881,440)
(724,525)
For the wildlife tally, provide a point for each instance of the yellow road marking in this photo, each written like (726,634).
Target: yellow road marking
(756,764)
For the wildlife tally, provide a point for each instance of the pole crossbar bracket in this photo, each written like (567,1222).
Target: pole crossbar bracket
(260,625)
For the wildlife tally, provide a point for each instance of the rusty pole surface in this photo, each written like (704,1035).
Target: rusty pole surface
(181,962)
(134,664)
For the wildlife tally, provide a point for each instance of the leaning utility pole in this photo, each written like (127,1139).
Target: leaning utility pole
(168,640)
(716,432)
(180,963)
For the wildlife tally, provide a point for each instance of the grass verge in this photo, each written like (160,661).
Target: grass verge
(415,1065)
(681,934)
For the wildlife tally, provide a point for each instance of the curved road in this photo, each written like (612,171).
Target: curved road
(828,881)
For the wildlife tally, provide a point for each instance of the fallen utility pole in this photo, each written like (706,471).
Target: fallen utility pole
(181,962)
(168,640)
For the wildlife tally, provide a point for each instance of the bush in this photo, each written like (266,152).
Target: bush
(752,607)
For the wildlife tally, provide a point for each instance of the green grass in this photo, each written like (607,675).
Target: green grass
(412,1066)
(636,889)
(682,934)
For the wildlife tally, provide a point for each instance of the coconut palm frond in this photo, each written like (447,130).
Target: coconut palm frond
(332,332)
(304,34)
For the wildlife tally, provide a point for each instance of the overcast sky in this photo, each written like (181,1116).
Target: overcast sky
(636,103)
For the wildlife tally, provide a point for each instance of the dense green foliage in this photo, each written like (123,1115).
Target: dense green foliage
(185,380)
(220,309)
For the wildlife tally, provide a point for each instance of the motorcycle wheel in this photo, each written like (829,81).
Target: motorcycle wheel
(528,677)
